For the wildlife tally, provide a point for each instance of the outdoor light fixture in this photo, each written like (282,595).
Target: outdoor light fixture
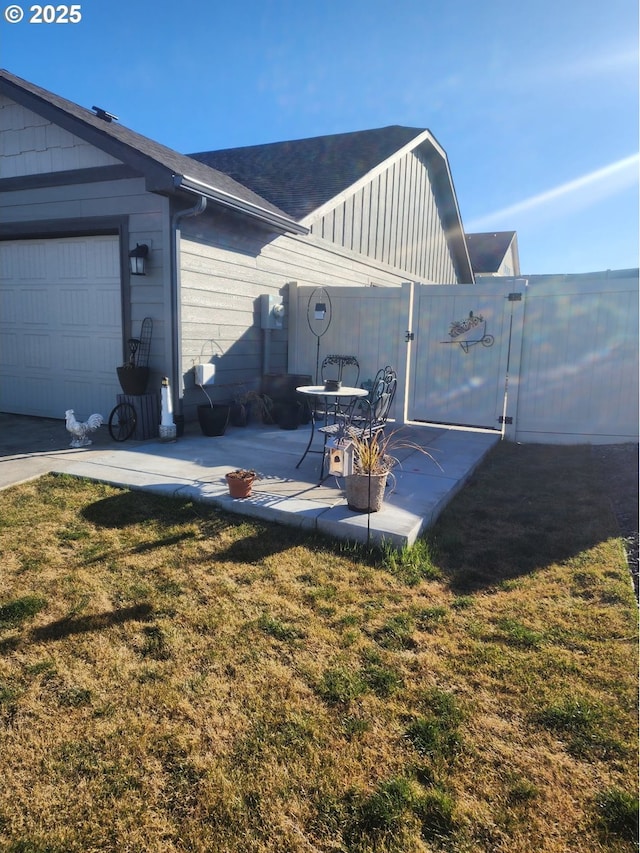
(138,259)
(320,311)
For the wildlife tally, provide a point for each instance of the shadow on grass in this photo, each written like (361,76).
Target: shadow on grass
(95,622)
(527,507)
(137,507)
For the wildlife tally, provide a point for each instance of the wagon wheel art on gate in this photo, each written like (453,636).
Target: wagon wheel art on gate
(469,332)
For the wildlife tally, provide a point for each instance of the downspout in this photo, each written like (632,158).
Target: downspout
(176,382)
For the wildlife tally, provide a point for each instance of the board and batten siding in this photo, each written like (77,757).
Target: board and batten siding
(394,219)
(31,145)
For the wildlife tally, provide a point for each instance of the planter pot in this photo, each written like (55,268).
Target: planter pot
(239,487)
(213,419)
(239,415)
(365,493)
(288,415)
(133,380)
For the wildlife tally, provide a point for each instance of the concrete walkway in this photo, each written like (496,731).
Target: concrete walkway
(194,467)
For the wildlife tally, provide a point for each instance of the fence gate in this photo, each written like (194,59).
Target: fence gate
(464,353)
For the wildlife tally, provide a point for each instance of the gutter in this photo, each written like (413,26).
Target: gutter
(176,358)
(280,221)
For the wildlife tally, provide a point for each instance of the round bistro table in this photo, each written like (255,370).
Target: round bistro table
(335,396)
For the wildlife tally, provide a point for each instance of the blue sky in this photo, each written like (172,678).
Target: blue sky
(536,104)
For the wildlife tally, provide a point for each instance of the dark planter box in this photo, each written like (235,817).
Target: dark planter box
(288,414)
(281,388)
(147,408)
(213,419)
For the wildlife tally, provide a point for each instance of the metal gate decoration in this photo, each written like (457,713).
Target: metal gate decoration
(460,332)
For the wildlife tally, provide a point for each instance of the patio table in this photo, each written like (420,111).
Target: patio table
(334,395)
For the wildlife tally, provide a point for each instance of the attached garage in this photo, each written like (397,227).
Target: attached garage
(60,325)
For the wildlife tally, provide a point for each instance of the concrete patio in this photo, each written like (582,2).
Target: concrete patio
(194,466)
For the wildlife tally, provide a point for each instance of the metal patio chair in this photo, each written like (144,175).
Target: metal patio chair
(365,416)
(333,367)
(344,369)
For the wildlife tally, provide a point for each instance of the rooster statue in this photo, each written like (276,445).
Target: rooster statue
(80,431)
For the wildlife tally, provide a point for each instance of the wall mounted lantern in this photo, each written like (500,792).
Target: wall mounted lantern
(138,259)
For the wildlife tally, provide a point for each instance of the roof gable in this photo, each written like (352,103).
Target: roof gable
(301,175)
(308,177)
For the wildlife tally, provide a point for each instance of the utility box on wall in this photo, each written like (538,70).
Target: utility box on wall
(272,315)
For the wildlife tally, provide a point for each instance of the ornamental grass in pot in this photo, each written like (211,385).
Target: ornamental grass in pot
(372,465)
(364,489)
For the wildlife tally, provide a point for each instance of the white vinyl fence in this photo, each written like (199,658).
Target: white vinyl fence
(549,359)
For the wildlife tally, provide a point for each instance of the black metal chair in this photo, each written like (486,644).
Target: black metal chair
(333,367)
(365,416)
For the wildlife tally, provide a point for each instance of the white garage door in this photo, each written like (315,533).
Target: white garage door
(60,326)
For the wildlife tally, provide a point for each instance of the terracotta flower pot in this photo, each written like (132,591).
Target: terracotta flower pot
(240,483)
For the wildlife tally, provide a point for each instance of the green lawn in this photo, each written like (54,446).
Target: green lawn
(176,679)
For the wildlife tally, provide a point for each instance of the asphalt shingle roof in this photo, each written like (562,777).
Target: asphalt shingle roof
(301,175)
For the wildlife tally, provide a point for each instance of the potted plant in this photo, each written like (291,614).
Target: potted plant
(240,482)
(372,465)
(288,414)
(364,489)
(213,418)
(248,404)
(134,375)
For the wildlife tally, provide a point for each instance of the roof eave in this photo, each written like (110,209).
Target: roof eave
(158,177)
(270,217)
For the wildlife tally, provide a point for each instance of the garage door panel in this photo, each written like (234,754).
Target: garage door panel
(88,397)
(8,306)
(34,307)
(72,261)
(77,307)
(60,339)
(10,357)
(84,354)
(37,351)
(16,265)
(103,264)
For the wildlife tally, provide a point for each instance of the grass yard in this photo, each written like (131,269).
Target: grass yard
(176,679)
